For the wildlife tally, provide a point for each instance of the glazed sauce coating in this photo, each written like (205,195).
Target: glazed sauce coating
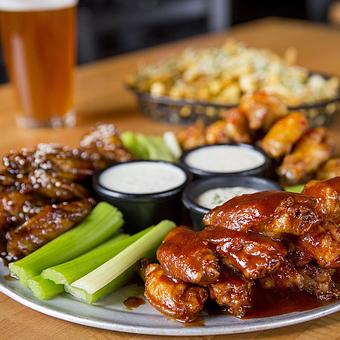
(133,302)
(271,212)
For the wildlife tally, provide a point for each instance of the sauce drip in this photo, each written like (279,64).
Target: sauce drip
(133,302)
(269,303)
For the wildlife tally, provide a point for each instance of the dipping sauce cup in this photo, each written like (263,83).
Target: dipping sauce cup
(146,192)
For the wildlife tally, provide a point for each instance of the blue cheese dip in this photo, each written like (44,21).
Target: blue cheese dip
(225,159)
(214,197)
(142,177)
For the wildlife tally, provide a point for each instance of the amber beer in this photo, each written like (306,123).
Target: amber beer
(38,39)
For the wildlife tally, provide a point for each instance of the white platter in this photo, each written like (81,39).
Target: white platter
(111,314)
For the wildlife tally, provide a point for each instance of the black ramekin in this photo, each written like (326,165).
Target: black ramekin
(143,210)
(261,170)
(196,188)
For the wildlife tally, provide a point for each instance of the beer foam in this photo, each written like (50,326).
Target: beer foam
(34,5)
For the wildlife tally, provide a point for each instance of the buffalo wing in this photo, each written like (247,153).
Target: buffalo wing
(187,257)
(268,212)
(176,299)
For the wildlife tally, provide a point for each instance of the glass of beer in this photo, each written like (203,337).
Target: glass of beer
(38,39)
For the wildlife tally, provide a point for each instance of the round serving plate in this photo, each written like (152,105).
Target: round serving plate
(111,314)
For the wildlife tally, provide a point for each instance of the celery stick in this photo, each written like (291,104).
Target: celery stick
(102,223)
(44,289)
(68,272)
(131,143)
(110,270)
(163,153)
(295,188)
(115,284)
(172,143)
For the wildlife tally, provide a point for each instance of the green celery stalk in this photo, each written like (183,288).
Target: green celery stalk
(112,269)
(70,271)
(163,153)
(171,142)
(295,188)
(131,143)
(102,223)
(44,289)
(120,281)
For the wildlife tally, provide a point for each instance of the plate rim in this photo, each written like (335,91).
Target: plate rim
(259,325)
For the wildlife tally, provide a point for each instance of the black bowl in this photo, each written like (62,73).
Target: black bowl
(262,170)
(196,188)
(143,210)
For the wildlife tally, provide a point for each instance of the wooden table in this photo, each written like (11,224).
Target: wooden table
(101,96)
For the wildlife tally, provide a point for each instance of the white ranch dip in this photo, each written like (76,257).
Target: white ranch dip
(224,159)
(142,177)
(214,197)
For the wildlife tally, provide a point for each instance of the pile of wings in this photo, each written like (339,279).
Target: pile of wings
(264,120)
(43,191)
(276,240)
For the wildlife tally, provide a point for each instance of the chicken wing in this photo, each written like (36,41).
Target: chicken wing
(179,300)
(318,282)
(262,110)
(104,140)
(187,257)
(327,194)
(193,136)
(284,134)
(322,247)
(72,164)
(268,212)
(252,254)
(285,277)
(237,126)
(16,208)
(233,293)
(216,133)
(45,226)
(330,169)
(310,152)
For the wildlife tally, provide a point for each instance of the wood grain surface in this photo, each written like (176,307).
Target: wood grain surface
(102,97)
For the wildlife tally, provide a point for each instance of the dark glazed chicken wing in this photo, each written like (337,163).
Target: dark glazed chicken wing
(284,134)
(51,222)
(262,110)
(310,152)
(318,281)
(71,164)
(286,276)
(104,140)
(253,255)
(179,300)
(322,246)
(187,257)
(327,194)
(269,212)
(233,293)
(16,208)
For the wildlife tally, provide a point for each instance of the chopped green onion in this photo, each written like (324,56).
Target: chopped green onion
(295,188)
(102,223)
(44,289)
(112,269)
(68,272)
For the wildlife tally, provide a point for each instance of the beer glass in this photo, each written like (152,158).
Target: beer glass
(38,39)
